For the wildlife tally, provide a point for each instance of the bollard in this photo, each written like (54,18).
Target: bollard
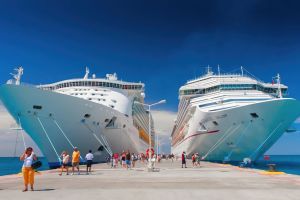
(272,167)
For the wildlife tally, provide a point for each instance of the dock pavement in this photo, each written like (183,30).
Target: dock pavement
(210,181)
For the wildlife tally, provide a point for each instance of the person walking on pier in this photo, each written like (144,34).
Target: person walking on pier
(128,160)
(123,159)
(134,158)
(28,172)
(75,160)
(197,159)
(65,160)
(183,160)
(115,160)
(89,161)
(194,160)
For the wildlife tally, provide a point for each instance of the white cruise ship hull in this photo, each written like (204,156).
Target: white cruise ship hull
(234,134)
(58,122)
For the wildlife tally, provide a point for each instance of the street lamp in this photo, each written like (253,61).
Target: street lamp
(150,162)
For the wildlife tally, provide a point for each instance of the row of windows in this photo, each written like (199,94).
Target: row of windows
(112,100)
(89,90)
(96,99)
(87,94)
(94,83)
(232,87)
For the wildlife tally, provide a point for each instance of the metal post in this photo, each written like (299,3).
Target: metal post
(150,166)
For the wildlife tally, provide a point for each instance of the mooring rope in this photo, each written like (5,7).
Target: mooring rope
(48,138)
(261,145)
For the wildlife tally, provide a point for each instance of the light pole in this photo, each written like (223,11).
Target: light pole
(150,162)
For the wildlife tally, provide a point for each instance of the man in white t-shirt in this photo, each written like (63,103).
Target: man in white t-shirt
(89,160)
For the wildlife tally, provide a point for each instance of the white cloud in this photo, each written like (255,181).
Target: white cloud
(163,124)
(9,137)
(163,121)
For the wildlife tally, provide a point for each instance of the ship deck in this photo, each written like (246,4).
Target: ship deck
(209,181)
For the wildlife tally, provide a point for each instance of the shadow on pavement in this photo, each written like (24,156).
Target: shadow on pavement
(44,190)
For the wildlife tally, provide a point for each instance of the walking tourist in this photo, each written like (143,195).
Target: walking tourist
(65,160)
(194,160)
(128,159)
(75,160)
(197,159)
(115,160)
(123,159)
(183,159)
(134,158)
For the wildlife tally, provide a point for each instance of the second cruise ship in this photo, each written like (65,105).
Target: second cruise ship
(104,115)
(229,117)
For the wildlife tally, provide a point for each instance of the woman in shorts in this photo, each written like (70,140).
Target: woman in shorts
(65,160)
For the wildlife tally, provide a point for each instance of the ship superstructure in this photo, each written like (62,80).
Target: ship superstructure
(228,117)
(98,114)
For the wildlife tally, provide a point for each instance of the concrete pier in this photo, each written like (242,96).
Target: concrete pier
(209,181)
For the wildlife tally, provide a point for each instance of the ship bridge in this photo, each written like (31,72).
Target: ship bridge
(210,83)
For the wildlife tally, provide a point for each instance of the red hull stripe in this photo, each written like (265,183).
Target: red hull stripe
(196,134)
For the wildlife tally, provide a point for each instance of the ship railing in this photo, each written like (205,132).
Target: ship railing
(13,82)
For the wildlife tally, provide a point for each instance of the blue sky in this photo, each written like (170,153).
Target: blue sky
(161,43)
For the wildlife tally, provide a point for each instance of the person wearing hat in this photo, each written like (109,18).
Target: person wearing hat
(75,160)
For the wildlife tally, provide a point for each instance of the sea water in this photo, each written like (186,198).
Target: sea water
(13,165)
(286,163)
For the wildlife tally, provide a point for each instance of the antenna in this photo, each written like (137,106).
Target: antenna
(18,76)
(219,70)
(279,86)
(208,70)
(242,70)
(87,71)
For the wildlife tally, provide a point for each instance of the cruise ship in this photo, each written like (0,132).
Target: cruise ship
(105,115)
(230,117)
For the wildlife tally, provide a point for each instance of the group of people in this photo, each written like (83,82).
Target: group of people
(126,160)
(195,159)
(76,161)
(29,157)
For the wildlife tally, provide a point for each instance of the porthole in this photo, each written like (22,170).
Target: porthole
(87,115)
(254,115)
(38,107)
(101,148)
(215,123)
